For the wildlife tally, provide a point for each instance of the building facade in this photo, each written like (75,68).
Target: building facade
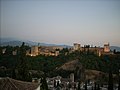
(76,46)
(34,51)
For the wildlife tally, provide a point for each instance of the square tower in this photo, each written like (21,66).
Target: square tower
(106,48)
(76,46)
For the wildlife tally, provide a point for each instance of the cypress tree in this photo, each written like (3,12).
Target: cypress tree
(79,86)
(110,82)
(54,83)
(22,67)
(98,87)
(119,82)
(44,85)
(86,85)
(13,73)
(95,86)
(92,88)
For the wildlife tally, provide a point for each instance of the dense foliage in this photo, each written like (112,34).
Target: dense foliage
(10,64)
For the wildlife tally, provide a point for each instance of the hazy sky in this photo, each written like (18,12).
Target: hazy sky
(62,21)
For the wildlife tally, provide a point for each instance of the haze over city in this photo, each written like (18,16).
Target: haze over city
(61,21)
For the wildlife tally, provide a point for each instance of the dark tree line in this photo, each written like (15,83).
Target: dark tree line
(21,70)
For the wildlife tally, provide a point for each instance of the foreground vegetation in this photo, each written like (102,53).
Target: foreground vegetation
(19,66)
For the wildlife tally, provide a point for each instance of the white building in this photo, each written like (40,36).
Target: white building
(3,50)
(72,77)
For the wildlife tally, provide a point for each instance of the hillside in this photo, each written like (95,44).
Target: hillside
(71,65)
(88,74)
(63,65)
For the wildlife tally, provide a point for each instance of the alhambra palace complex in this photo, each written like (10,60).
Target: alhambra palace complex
(54,50)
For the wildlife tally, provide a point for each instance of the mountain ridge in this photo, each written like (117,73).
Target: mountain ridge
(10,42)
(15,42)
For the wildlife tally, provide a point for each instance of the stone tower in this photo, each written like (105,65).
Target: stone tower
(76,46)
(34,50)
(106,47)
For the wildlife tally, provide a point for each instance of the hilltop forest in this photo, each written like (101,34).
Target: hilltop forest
(24,67)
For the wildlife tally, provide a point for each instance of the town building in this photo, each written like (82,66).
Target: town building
(34,51)
(76,46)
(45,50)
(105,50)
(62,83)
(72,77)
(3,50)
(14,52)
(12,84)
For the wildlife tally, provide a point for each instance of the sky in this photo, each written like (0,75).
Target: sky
(93,22)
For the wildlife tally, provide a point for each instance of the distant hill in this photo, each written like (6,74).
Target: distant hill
(14,42)
(2,40)
(115,47)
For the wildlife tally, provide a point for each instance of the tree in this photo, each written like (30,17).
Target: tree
(23,67)
(86,85)
(95,86)
(54,83)
(110,82)
(119,81)
(9,50)
(79,86)
(64,51)
(98,88)
(44,85)
(58,84)
(119,84)
(13,73)
(0,50)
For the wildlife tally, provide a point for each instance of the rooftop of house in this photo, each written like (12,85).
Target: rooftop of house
(12,84)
